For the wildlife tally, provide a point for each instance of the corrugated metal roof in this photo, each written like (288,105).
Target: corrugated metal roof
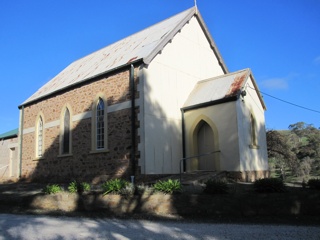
(12,133)
(217,88)
(143,45)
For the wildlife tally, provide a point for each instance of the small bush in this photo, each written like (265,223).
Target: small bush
(128,190)
(314,184)
(170,186)
(73,187)
(51,189)
(144,189)
(114,186)
(216,186)
(269,185)
(84,187)
(76,187)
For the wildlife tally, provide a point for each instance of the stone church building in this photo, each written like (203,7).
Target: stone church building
(155,102)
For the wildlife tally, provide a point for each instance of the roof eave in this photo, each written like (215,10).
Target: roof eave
(257,90)
(147,60)
(135,62)
(193,12)
(212,43)
(210,103)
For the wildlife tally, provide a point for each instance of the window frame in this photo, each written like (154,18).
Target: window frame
(39,120)
(63,132)
(95,125)
(253,132)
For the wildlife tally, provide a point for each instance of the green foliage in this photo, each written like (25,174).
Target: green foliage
(128,190)
(216,186)
(269,185)
(314,184)
(114,186)
(51,189)
(170,186)
(73,187)
(84,187)
(297,149)
(76,187)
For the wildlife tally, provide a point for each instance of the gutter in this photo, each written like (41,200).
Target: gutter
(207,104)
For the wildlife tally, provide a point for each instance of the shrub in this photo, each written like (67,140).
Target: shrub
(216,186)
(269,185)
(76,187)
(170,186)
(73,187)
(84,187)
(128,190)
(314,184)
(142,189)
(52,189)
(114,186)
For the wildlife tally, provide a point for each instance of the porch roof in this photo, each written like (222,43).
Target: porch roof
(9,134)
(220,88)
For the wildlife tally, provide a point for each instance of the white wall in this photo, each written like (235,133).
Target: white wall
(9,158)
(166,83)
(251,158)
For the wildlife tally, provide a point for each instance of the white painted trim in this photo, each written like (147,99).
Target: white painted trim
(119,106)
(52,124)
(29,130)
(82,116)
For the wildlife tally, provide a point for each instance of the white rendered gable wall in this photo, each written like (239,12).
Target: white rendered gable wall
(167,82)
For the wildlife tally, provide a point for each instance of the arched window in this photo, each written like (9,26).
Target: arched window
(253,129)
(100,124)
(66,133)
(40,137)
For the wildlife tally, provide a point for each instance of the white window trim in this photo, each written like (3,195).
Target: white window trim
(94,148)
(39,117)
(61,135)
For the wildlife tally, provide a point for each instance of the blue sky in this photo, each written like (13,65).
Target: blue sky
(278,40)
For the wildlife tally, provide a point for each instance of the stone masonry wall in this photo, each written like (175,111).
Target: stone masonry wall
(82,164)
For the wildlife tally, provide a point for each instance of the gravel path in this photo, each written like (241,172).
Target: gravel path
(46,227)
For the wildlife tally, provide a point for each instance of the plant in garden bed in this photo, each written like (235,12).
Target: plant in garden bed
(143,189)
(216,186)
(52,189)
(78,187)
(114,186)
(269,185)
(170,186)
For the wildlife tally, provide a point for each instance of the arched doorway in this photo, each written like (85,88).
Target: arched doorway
(206,147)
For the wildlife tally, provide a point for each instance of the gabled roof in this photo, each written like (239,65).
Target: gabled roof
(220,89)
(10,134)
(142,46)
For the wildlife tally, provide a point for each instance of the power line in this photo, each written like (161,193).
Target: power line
(293,104)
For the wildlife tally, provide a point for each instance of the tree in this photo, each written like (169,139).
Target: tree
(278,148)
(309,144)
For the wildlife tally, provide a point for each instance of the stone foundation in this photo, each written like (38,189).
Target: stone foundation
(248,176)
